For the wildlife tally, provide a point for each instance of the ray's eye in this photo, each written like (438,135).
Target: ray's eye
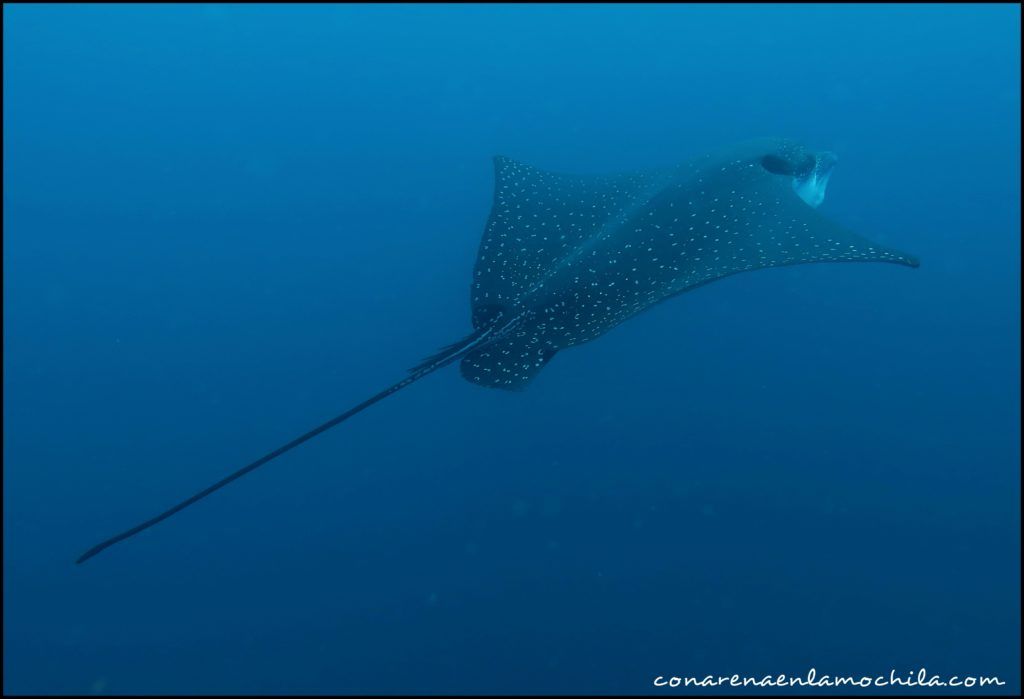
(778,165)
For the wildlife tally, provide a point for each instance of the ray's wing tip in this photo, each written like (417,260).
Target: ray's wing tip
(899,257)
(501,161)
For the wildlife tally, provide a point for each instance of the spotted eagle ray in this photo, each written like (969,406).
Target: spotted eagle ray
(566,258)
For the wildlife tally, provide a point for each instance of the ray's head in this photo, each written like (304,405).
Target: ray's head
(809,170)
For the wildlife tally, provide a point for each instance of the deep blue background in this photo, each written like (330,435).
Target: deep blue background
(224,225)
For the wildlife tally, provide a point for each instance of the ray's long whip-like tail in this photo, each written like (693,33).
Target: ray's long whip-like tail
(443,358)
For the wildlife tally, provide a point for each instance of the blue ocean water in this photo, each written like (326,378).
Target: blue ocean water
(225,224)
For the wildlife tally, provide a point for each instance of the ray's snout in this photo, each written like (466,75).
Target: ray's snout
(811,186)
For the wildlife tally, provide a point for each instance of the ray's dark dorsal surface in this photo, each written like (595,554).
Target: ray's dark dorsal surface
(566,258)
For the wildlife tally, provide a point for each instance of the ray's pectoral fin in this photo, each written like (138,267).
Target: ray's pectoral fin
(827,241)
(794,230)
(510,363)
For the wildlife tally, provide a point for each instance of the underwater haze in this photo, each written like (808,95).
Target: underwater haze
(224,225)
